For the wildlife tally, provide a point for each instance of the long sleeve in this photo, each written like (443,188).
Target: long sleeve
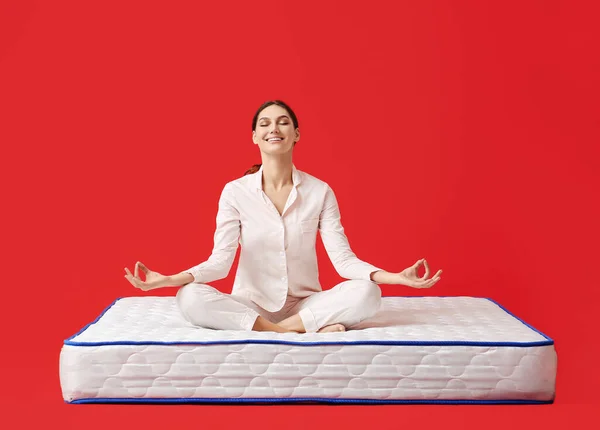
(226,241)
(336,243)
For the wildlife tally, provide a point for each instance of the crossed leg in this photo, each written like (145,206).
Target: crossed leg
(342,306)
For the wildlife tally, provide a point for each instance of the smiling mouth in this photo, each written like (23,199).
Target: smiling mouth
(275,139)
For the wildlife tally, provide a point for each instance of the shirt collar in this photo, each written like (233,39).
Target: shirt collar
(257,179)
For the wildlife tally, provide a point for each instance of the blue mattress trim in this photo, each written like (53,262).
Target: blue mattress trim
(196,400)
(546,342)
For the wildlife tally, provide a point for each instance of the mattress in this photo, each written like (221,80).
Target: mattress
(414,350)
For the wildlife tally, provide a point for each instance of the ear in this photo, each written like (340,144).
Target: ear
(297,134)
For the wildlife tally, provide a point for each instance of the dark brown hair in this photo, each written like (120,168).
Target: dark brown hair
(266,104)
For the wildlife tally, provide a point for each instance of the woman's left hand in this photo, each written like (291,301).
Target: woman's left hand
(410,277)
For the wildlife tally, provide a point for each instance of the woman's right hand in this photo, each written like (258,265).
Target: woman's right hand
(153,279)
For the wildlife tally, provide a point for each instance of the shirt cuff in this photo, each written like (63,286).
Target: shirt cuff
(197,274)
(368,271)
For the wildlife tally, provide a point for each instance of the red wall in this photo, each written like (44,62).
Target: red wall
(463,132)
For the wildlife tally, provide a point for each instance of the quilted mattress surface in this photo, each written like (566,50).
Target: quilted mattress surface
(414,350)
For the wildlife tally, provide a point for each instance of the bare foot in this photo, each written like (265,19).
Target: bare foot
(332,328)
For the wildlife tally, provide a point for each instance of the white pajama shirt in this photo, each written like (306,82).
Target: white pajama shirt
(278,260)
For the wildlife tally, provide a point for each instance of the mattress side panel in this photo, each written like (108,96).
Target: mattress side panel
(383,372)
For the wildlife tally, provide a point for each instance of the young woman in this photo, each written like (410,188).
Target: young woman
(274,212)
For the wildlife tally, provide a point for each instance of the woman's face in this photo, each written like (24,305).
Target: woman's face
(275,133)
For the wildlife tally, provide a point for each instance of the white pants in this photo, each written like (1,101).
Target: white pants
(347,303)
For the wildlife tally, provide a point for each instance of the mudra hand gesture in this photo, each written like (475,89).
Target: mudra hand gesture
(153,279)
(410,277)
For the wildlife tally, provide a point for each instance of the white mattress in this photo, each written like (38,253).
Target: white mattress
(415,350)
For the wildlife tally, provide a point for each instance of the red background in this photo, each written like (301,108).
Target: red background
(464,132)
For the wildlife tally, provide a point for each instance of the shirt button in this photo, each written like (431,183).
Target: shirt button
(282,254)
(284,278)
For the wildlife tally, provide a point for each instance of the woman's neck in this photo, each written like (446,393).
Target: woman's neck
(277,174)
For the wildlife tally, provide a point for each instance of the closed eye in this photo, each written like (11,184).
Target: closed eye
(282,123)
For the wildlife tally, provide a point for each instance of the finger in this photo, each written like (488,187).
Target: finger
(430,282)
(144,268)
(413,271)
(138,283)
(128,275)
(130,279)
(426,275)
(421,284)
(437,275)
(137,270)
